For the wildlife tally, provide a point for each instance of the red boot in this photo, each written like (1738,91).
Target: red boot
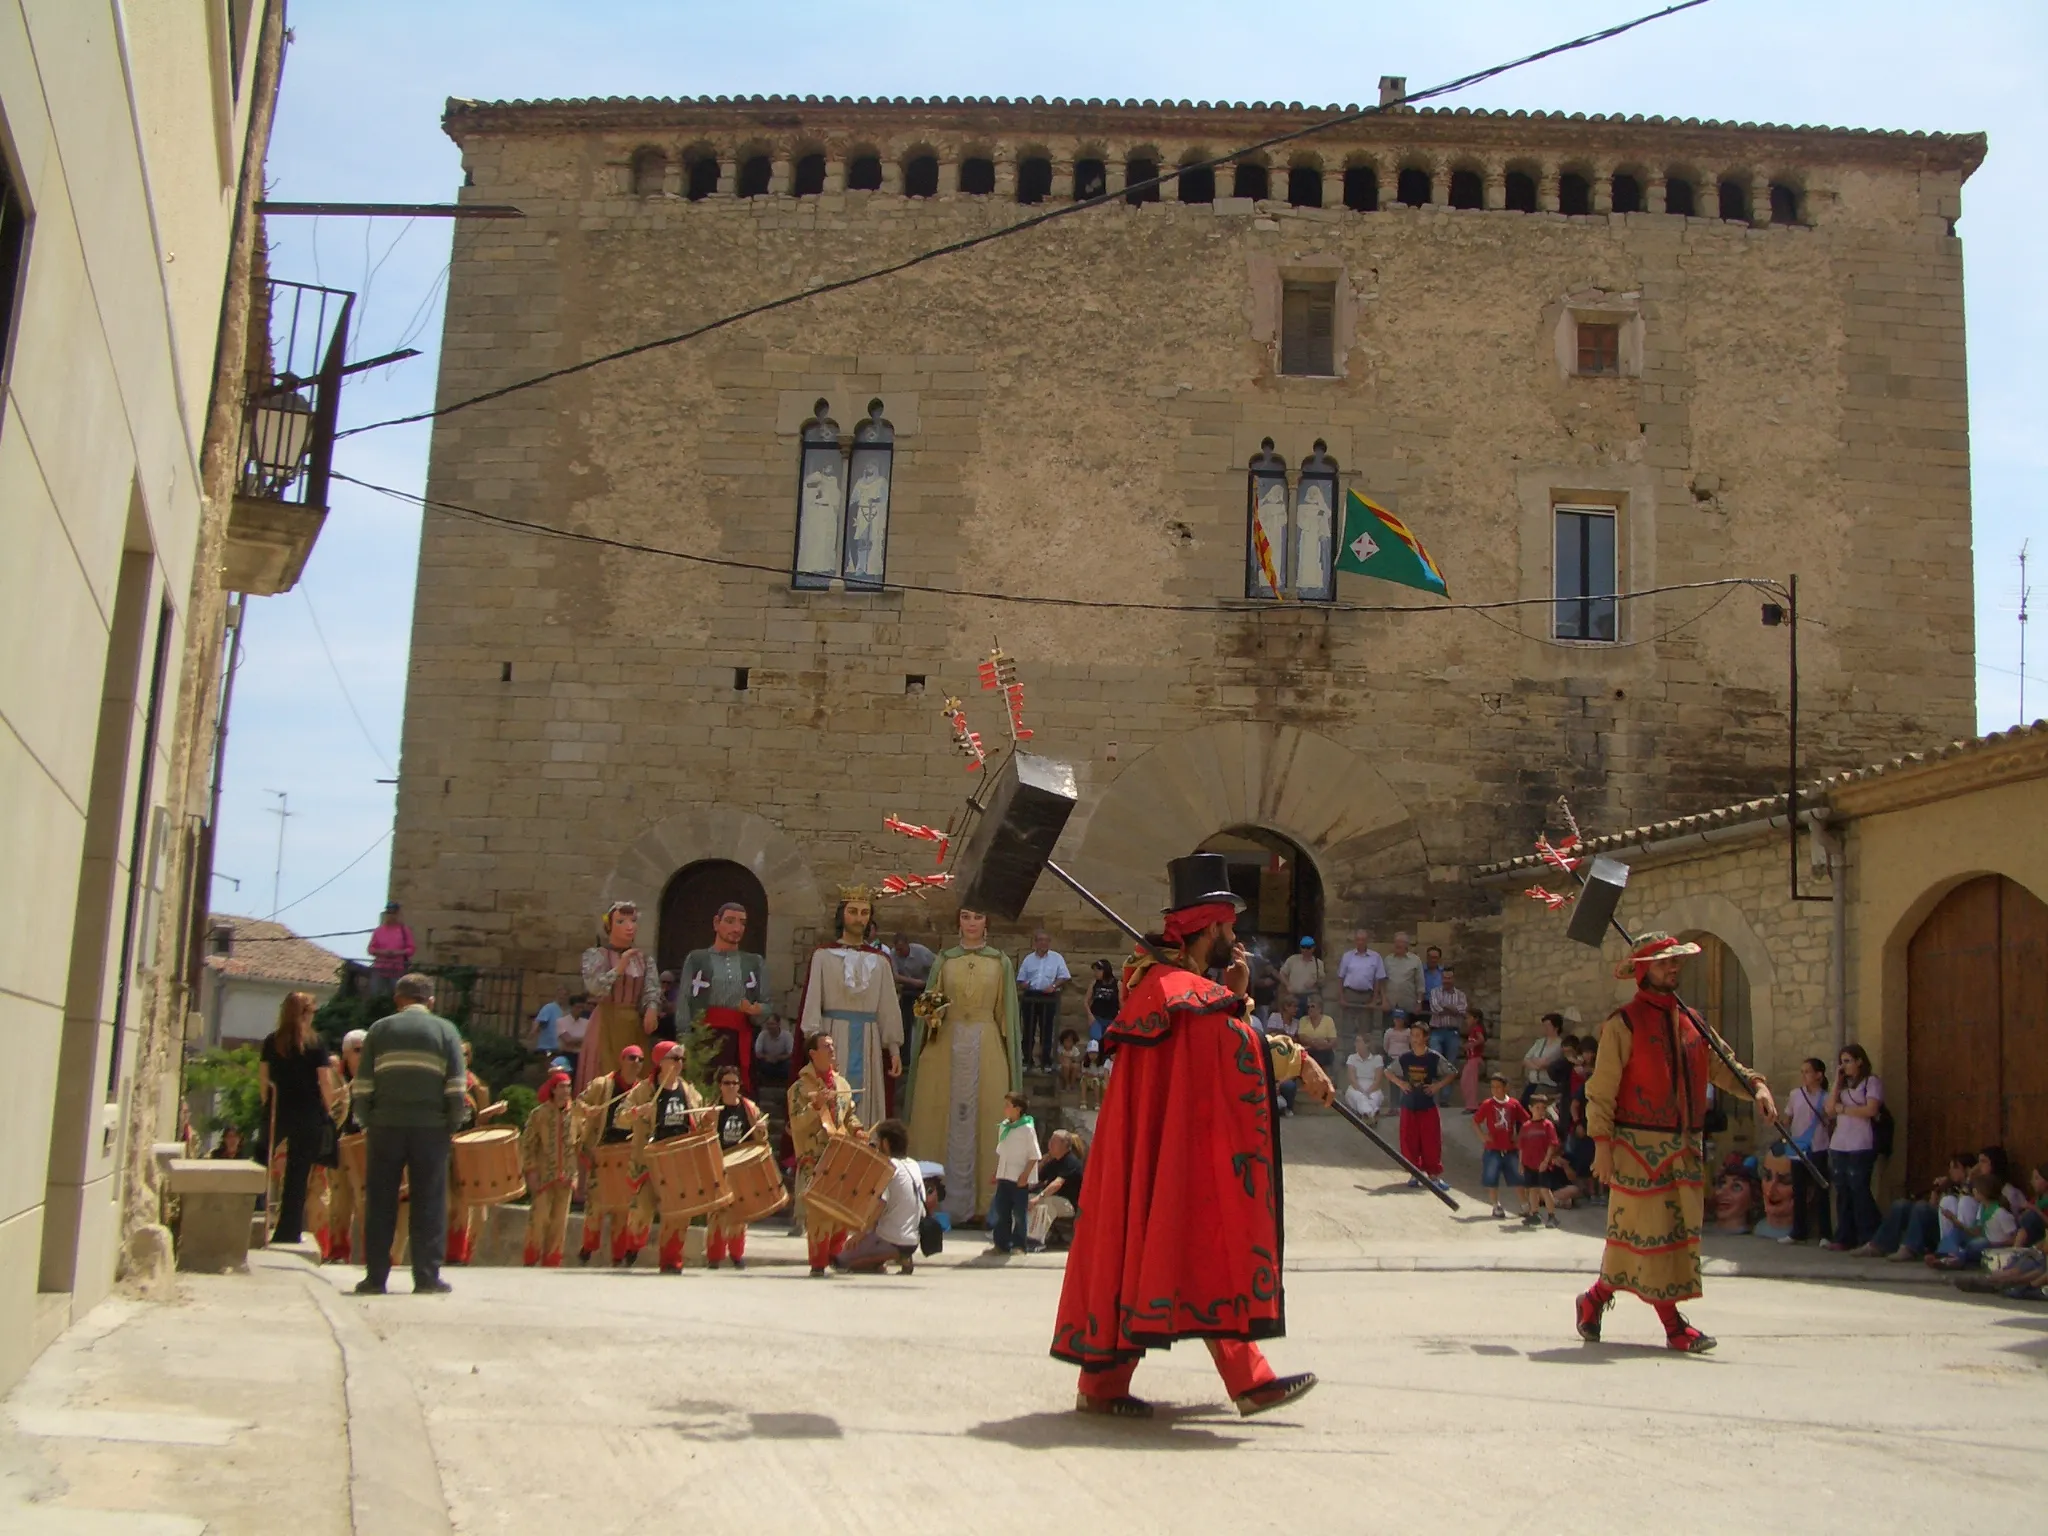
(531,1256)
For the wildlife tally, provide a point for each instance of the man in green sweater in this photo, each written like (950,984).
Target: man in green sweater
(409,1095)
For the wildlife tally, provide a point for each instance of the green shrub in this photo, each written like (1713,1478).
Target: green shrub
(520,1102)
(226,1081)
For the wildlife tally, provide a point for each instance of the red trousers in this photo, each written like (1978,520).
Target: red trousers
(1422,1139)
(718,1243)
(1242,1367)
(825,1246)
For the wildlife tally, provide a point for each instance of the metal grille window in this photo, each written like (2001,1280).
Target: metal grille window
(1599,348)
(842,512)
(1308,325)
(1587,575)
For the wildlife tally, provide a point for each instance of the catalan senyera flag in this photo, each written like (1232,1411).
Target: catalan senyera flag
(1263,547)
(1377,543)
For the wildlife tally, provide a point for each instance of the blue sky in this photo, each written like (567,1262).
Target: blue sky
(359,119)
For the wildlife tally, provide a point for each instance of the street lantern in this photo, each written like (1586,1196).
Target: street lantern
(282,427)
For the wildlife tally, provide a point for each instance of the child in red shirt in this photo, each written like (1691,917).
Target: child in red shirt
(1540,1151)
(1498,1119)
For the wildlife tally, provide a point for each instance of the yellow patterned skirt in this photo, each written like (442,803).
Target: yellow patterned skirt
(1655,1209)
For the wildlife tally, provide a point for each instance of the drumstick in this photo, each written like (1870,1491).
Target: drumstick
(489,1110)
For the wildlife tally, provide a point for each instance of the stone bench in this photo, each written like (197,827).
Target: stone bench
(216,1200)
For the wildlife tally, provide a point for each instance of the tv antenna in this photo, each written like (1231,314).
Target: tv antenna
(283,812)
(2025,593)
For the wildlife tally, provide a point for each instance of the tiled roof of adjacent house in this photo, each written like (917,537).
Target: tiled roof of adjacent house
(1749,811)
(260,950)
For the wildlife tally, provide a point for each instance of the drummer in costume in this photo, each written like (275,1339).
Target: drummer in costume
(608,1105)
(462,1217)
(851,995)
(964,1057)
(664,1115)
(1181,1236)
(740,1124)
(821,1106)
(337,1241)
(1645,1104)
(626,988)
(724,987)
(547,1151)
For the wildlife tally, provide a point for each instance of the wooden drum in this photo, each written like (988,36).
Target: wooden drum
(688,1174)
(847,1188)
(611,1176)
(755,1183)
(486,1167)
(355,1164)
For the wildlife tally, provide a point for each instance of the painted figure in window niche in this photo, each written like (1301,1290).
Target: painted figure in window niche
(1272,515)
(724,987)
(964,1056)
(817,551)
(851,996)
(1312,521)
(626,988)
(1734,1191)
(867,522)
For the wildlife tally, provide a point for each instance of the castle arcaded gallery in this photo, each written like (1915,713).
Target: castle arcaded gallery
(1581,358)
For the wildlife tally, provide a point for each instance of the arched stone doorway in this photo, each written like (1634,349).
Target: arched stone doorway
(1977,1026)
(1714,982)
(693,896)
(1282,890)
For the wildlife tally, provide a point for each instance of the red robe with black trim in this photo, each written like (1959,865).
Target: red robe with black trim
(1180,1235)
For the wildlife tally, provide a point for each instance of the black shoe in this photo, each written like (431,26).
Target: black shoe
(1125,1407)
(584,1256)
(739,1263)
(368,1287)
(434,1287)
(1586,1313)
(1275,1393)
(817,1273)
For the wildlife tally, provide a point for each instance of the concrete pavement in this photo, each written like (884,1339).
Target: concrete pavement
(1454,1397)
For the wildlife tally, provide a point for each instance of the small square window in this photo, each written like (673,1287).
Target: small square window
(1599,349)
(1308,328)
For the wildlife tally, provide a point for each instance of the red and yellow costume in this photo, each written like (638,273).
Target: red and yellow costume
(547,1151)
(811,1129)
(1181,1237)
(739,1125)
(608,1105)
(461,1217)
(1647,1102)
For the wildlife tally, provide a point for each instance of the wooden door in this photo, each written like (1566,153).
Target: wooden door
(2023,990)
(1977,1027)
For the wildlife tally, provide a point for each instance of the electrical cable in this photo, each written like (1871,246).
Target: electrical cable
(342,682)
(382,838)
(724,562)
(1067,210)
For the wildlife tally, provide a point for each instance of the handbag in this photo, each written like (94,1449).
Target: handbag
(931,1236)
(1881,1130)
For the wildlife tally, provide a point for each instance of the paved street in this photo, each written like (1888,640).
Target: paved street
(1454,1397)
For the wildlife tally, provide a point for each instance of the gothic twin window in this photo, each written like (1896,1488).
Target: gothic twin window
(842,503)
(1291,531)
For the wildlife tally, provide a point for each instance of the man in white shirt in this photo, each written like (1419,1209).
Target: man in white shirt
(1365,1068)
(1040,976)
(1302,975)
(1362,985)
(893,1237)
(773,1047)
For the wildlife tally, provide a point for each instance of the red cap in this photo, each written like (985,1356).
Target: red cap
(662,1049)
(632,1052)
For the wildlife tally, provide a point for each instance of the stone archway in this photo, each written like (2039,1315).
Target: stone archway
(1315,792)
(717,833)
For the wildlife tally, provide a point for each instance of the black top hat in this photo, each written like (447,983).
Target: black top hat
(1199,879)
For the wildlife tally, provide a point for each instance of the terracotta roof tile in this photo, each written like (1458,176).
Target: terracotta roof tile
(1774,805)
(267,951)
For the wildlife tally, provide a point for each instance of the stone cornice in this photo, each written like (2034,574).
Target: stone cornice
(1604,136)
(2010,757)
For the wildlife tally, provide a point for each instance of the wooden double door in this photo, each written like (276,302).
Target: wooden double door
(1977,1028)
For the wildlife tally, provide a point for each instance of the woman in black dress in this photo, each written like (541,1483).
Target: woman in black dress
(296,1078)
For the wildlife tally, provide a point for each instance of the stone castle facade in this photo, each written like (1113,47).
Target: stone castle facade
(1574,355)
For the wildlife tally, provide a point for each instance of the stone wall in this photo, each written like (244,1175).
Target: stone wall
(1074,409)
(1739,892)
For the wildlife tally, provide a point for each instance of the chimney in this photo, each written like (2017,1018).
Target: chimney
(1392,89)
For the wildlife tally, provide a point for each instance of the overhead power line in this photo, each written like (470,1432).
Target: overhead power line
(726,562)
(1036,221)
(382,838)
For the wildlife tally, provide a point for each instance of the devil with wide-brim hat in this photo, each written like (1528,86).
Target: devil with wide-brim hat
(1646,1108)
